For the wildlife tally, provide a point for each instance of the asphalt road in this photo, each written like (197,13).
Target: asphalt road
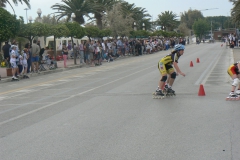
(107,112)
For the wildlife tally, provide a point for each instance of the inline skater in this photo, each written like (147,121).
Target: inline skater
(165,67)
(234,72)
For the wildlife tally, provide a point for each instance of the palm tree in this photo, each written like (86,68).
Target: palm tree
(168,20)
(80,8)
(139,14)
(99,8)
(4,2)
(235,11)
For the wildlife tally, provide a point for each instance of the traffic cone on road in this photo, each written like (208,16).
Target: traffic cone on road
(201,91)
(198,60)
(191,64)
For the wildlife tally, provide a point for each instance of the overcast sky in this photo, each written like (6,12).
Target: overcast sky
(154,7)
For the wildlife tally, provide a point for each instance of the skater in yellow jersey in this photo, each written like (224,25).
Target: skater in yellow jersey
(234,72)
(165,66)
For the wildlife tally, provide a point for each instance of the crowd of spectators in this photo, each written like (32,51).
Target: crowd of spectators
(91,53)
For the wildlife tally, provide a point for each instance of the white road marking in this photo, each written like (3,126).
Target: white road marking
(24,90)
(46,106)
(208,71)
(43,85)
(1,98)
(65,80)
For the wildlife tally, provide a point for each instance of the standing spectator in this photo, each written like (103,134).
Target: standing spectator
(109,44)
(84,52)
(65,54)
(38,43)
(29,55)
(13,61)
(69,47)
(87,50)
(81,50)
(35,56)
(91,53)
(103,50)
(75,50)
(24,62)
(99,53)
(119,46)
(166,44)
(60,46)
(138,48)
(234,39)
(17,58)
(114,48)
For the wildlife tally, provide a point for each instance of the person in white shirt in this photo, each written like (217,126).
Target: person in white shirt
(13,61)
(148,48)
(23,60)
(60,46)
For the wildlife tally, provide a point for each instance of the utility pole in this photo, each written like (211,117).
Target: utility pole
(211,29)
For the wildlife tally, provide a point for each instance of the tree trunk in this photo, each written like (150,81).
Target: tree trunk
(98,20)
(55,51)
(89,38)
(0,47)
(20,46)
(79,19)
(75,57)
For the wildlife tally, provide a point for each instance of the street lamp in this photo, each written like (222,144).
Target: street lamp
(134,25)
(143,26)
(73,16)
(30,19)
(26,14)
(39,12)
(41,39)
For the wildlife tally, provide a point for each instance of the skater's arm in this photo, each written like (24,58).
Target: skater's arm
(178,69)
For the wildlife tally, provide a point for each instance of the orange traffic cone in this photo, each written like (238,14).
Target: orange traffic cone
(191,64)
(201,91)
(198,60)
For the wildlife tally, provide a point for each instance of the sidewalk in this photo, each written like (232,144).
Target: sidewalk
(70,65)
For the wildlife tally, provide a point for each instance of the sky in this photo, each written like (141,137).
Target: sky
(153,7)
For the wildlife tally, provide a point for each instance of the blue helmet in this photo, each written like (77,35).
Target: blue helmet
(179,47)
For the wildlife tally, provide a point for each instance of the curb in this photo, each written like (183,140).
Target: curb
(70,67)
(9,79)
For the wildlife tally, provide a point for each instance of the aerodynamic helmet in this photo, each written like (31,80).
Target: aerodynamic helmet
(179,47)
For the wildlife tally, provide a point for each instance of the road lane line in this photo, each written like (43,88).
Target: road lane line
(208,71)
(55,80)
(33,111)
